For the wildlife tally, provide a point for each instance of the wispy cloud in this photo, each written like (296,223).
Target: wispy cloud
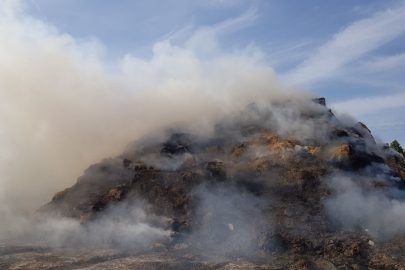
(178,34)
(36,5)
(348,45)
(206,38)
(363,106)
(288,49)
(286,54)
(234,24)
(385,63)
(383,72)
(222,3)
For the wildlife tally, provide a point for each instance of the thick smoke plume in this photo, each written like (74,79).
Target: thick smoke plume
(61,110)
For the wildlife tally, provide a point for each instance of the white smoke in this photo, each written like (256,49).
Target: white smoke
(62,111)
(123,226)
(229,220)
(358,204)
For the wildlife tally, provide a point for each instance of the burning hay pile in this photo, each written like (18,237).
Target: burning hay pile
(274,186)
(285,184)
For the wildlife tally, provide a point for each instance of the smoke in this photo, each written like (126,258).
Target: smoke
(123,226)
(369,201)
(62,110)
(229,220)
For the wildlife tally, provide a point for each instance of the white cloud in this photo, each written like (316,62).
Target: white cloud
(363,106)
(178,34)
(205,39)
(286,54)
(378,64)
(382,72)
(36,5)
(348,45)
(222,3)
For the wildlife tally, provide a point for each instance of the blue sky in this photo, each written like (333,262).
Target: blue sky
(351,52)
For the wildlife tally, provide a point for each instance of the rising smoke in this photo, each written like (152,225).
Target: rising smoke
(61,110)
(124,226)
(358,204)
(230,220)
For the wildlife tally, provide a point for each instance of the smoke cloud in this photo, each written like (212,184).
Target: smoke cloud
(230,220)
(124,226)
(62,110)
(358,204)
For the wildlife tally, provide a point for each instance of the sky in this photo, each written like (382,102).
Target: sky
(350,52)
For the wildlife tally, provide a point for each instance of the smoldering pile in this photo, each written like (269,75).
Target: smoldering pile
(285,182)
